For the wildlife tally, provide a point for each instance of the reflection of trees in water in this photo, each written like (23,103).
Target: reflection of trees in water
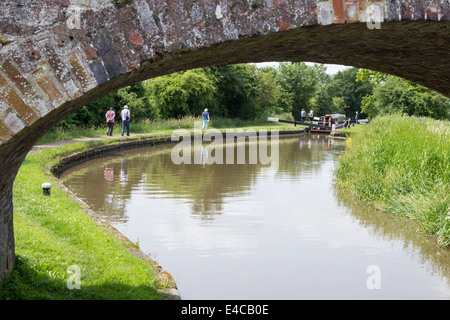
(206,209)
(394,228)
(204,185)
(312,151)
(107,184)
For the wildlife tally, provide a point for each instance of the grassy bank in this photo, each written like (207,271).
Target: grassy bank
(162,126)
(402,165)
(54,233)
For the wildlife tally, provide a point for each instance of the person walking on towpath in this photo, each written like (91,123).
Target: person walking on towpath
(205,118)
(303,115)
(110,115)
(356,117)
(125,115)
(311,115)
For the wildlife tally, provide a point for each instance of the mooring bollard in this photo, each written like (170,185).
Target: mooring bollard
(46,188)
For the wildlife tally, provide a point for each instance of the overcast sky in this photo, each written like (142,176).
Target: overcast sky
(331,68)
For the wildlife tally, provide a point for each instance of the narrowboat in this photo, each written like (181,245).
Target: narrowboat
(330,122)
(325,124)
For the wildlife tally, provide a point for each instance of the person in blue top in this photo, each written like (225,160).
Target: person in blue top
(205,118)
(356,117)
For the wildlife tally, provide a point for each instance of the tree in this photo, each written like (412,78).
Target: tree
(396,95)
(339,105)
(321,101)
(136,97)
(301,80)
(181,93)
(238,90)
(273,98)
(344,85)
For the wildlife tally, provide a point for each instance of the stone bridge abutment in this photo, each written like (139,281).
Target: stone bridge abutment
(57,55)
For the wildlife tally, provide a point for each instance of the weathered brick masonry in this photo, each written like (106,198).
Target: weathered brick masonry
(56,55)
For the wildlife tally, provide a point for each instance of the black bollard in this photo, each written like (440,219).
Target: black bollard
(46,188)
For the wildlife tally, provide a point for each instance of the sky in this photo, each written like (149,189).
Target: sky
(331,68)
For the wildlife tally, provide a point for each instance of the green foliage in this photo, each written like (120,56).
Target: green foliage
(237,91)
(181,94)
(92,114)
(54,232)
(321,102)
(402,164)
(255,4)
(246,92)
(344,85)
(135,97)
(122,3)
(273,98)
(373,77)
(301,81)
(339,105)
(396,95)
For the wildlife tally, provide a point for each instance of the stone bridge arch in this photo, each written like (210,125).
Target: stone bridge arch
(57,55)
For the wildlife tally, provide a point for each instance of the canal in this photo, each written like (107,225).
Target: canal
(261,231)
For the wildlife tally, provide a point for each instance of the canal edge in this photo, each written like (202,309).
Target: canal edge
(169,288)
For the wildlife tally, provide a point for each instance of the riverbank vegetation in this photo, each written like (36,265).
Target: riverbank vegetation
(54,237)
(241,92)
(402,165)
(396,95)
(244,94)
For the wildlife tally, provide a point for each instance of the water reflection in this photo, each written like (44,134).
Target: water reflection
(259,231)
(204,186)
(402,231)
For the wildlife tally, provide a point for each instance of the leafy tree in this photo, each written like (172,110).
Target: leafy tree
(344,85)
(339,105)
(396,95)
(374,77)
(301,80)
(273,98)
(136,97)
(237,90)
(181,93)
(321,101)
(247,92)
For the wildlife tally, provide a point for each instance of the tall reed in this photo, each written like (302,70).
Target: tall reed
(402,165)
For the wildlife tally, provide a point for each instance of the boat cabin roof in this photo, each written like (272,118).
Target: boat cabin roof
(335,115)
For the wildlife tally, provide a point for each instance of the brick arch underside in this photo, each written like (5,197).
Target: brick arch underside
(418,51)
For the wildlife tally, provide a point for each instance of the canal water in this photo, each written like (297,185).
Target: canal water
(261,231)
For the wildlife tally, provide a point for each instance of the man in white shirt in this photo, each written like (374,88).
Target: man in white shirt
(125,115)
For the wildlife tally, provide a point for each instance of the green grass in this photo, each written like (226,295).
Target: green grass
(402,165)
(161,126)
(54,232)
(352,129)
